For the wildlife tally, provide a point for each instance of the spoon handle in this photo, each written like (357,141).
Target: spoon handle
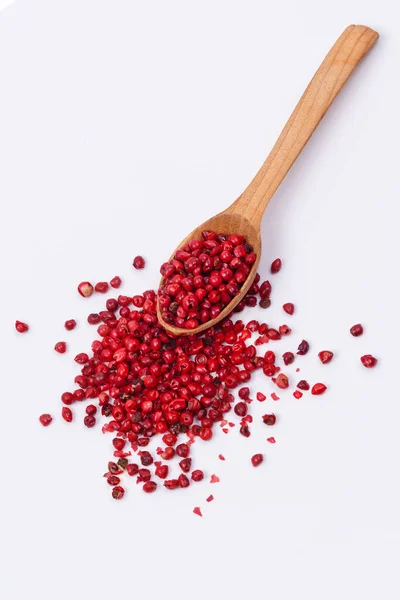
(327,82)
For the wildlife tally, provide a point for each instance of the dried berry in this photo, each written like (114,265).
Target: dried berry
(115,282)
(368,361)
(85,289)
(318,389)
(66,414)
(118,492)
(303,385)
(269,419)
(282,381)
(276,265)
(139,262)
(303,348)
(288,358)
(101,287)
(45,419)
(325,356)
(257,459)
(288,308)
(60,347)
(21,327)
(357,330)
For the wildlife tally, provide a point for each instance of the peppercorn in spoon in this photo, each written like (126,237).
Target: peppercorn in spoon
(214,266)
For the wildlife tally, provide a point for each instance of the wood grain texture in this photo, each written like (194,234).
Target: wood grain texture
(245,214)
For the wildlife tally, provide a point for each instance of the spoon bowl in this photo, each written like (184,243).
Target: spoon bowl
(244,216)
(226,222)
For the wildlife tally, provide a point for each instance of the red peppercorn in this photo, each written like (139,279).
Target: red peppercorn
(282,381)
(244,393)
(244,430)
(276,265)
(171,484)
(21,327)
(91,409)
(150,487)
(81,358)
(113,480)
(241,409)
(303,385)
(357,330)
(303,348)
(257,459)
(70,324)
(288,307)
(197,475)
(261,397)
(67,398)
(284,330)
(183,450)
(115,282)
(85,289)
(318,389)
(269,419)
(89,421)
(368,361)
(325,356)
(132,469)
(139,262)
(101,287)
(118,492)
(66,414)
(183,481)
(185,464)
(288,358)
(60,347)
(45,419)
(162,471)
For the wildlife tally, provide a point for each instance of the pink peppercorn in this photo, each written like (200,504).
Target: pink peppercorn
(45,419)
(85,289)
(21,327)
(139,262)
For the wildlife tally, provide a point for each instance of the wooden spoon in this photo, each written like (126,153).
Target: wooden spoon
(244,215)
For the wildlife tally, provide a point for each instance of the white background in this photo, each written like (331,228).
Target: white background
(124,124)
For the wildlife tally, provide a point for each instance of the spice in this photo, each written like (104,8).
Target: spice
(288,307)
(318,389)
(118,492)
(257,459)
(203,277)
(60,347)
(101,287)
(115,282)
(303,348)
(66,414)
(368,361)
(276,265)
(325,356)
(85,289)
(139,262)
(357,330)
(269,419)
(288,358)
(148,382)
(70,324)
(303,385)
(21,327)
(45,419)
